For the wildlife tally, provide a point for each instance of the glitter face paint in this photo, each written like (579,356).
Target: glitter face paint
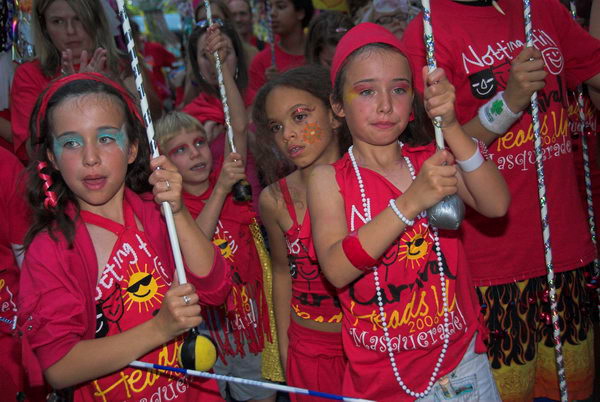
(311,133)
(104,137)
(118,137)
(66,141)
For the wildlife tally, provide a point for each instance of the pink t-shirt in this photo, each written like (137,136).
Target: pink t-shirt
(14,215)
(57,305)
(475,51)
(410,284)
(313,297)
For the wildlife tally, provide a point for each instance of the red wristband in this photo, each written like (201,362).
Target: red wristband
(356,254)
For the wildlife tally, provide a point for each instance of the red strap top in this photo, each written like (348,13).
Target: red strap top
(313,297)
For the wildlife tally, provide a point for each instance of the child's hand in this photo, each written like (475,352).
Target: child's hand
(232,172)
(526,76)
(215,41)
(179,311)
(439,96)
(436,179)
(167,183)
(97,63)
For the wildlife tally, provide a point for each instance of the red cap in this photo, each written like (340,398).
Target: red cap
(361,35)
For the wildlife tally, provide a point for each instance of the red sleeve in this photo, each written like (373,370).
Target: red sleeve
(28,84)
(213,288)
(52,311)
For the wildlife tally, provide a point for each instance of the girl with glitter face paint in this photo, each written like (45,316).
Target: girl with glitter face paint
(98,282)
(410,328)
(297,129)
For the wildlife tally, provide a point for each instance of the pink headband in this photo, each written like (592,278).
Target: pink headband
(59,83)
(361,35)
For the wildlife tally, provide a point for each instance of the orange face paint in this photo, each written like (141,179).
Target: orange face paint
(311,133)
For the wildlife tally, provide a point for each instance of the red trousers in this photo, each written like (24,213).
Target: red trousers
(315,361)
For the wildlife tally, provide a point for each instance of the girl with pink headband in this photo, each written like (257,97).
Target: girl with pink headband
(410,326)
(98,288)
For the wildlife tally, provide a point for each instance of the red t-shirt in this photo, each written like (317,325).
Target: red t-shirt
(28,83)
(284,61)
(14,216)
(245,314)
(410,285)
(475,51)
(156,56)
(313,297)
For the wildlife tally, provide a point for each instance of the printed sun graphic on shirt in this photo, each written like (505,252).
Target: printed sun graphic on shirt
(143,288)
(311,133)
(414,246)
(224,247)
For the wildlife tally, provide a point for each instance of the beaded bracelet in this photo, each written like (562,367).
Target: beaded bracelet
(356,254)
(407,222)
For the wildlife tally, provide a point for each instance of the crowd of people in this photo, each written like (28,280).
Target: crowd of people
(331,277)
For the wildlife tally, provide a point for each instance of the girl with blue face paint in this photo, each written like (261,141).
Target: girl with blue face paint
(98,266)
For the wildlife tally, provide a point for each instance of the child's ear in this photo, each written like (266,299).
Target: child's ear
(334,122)
(338,108)
(52,159)
(132,153)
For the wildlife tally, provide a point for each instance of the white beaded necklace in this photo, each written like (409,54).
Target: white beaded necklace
(436,240)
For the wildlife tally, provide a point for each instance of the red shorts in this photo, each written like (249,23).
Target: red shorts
(315,361)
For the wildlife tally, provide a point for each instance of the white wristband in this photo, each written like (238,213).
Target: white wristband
(474,162)
(400,215)
(496,116)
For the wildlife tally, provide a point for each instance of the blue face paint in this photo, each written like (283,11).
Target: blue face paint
(119,137)
(73,141)
(67,141)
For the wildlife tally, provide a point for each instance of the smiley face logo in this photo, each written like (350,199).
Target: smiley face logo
(553,59)
(415,247)
(143,288)
(483,84)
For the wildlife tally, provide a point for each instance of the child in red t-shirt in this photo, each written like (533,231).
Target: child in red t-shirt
(295,124)
(15,222)
(98,288)
(289,18)
(206,107)
(410,312)
(239,327)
